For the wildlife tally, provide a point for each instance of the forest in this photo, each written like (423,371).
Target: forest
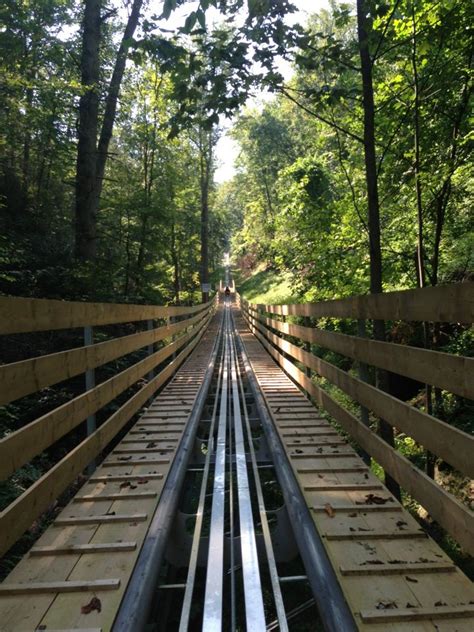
(353,174)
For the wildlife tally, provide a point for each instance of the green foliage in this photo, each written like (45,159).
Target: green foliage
(306,209)
(267,286)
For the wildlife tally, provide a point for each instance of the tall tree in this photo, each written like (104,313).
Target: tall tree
(370,158)
(206,142)
(92,152)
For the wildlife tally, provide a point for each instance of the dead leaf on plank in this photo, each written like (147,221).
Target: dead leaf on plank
(386,605)
(94,604)
(373,499)
(329,510)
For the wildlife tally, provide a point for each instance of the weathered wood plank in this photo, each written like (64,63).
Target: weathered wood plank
(59,587)
(398,569)
(366,534)
(448,303)
(153,450)
(22,378)
(353,508)
(142,461)
(342,487)
(19,315)
(450,372)
(81,549)
(335,469)
(448,442)
(19,447)
(72,630)
(119,496)
(396,615)
(18,516)
(113,478)
(78,520)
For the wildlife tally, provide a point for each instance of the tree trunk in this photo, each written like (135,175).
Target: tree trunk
(205,143)
(114,89)
(86,174)
(416,122)
(128,263)
(31,76)
(267,194)
(385,430)
(444,194)
(175,260)
(45,156)
(92,157)
(140,266)
(420,251)
(369,153)
(27,145)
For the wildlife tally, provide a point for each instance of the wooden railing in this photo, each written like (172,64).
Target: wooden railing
(452,373)
(18,379)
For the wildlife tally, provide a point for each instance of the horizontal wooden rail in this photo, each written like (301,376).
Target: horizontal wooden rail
(453,445)
(450,372)
(449,303)
(24,315)
(28,376)
(447,510)
(21,446)
(19,516)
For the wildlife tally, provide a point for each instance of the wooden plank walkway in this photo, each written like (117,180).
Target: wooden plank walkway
(394,577)
(75,576)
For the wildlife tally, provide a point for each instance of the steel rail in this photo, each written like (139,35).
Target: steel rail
(254,608)
(141,590)
(212,618)
(193,560)
(335,612)
(273,571)
(232,570)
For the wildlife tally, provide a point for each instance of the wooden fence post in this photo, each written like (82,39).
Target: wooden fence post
(307,345)
(151,348)
(90,384)
(363,371)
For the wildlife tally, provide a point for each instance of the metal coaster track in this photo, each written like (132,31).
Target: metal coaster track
(234,506)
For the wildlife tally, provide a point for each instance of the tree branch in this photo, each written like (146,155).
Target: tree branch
(321,118)
(387,147)
(384,32)
(332,58)
(351,186)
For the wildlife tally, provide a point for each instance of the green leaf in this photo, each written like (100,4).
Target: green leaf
(190,22)
(168,7)
(201,17)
